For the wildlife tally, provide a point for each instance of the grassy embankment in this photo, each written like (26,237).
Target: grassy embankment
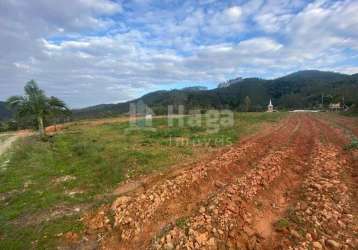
(46,184)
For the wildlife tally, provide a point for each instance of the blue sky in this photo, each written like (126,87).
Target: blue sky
(100,51)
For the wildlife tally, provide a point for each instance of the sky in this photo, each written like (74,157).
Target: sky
(88,52)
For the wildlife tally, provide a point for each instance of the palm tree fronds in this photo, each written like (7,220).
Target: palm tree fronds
(15,101)
(37,104)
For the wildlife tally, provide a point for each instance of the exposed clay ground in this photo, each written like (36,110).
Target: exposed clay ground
(288,187)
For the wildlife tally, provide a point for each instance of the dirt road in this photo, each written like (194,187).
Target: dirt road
(6,143)
(288,187)
(10,138)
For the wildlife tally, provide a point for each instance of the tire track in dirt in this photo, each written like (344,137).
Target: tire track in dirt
(139,218)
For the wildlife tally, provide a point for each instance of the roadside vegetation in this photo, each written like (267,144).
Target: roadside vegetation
(47,183)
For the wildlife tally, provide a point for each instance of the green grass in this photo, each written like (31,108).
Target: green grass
(352,145)
(96,159)
(182,223)
(282,224)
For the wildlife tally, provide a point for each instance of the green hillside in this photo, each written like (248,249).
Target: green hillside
(4,112)
(303,89)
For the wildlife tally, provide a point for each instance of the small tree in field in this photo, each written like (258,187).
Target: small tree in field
(35,103)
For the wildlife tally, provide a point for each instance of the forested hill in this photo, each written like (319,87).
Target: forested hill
(298,90)
(4,111)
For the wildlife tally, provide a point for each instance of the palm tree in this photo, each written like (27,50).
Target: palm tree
(37,104)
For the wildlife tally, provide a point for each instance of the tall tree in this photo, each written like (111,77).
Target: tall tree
(35,103)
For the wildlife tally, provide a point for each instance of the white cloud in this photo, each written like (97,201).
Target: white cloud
(233,13)
(259,45)
(108,51)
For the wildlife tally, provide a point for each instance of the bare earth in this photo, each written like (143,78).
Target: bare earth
(291,186)
(5,144)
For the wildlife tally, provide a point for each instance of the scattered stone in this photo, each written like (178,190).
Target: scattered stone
(295,234)
(317,245)
(202,210)
(333,244)
(169,246)
(202,238)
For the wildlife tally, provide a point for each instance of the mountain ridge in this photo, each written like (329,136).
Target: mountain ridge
(301,89)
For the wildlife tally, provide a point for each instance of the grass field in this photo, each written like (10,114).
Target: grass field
(45,185)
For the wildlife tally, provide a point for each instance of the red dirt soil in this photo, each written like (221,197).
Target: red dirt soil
(291,186)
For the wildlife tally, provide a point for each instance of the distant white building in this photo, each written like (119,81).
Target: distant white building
(335,106)
(270,107)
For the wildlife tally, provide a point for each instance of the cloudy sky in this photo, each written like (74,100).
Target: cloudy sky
(101,51)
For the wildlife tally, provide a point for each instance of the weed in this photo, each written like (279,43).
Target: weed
(352,145)
(182,223)
(293,217)
(282,224)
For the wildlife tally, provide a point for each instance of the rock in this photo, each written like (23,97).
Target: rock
(169,246)
(219,184)
(295,234)
(168,238)
(333,244)
(232,207)
(247,218)
(202,238)
(202,210)
(309,237)
(123,200)
(317,245)
(211,242)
